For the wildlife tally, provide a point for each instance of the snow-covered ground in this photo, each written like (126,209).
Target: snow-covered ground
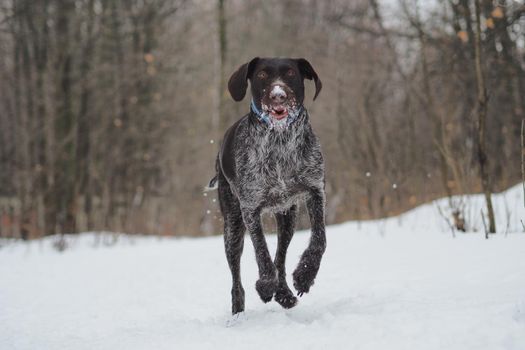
(401,283)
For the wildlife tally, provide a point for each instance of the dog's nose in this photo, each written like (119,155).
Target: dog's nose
(278,94)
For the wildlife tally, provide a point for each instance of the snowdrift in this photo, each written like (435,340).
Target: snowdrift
(397,283)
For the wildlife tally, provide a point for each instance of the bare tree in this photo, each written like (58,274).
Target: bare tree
(482,115)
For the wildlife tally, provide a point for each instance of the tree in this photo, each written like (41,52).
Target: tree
(482,115)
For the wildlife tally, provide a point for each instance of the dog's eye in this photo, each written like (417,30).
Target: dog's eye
(262,75)
(290,73)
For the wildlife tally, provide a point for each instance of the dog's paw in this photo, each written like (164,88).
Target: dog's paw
(237,300)
(304,274)
(266,288)
(285,298)
(303,279)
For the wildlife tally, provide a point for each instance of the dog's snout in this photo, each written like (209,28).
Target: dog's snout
(277,94)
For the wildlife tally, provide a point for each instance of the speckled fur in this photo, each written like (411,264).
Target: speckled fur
(264,169)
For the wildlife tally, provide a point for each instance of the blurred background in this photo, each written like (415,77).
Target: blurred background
(112,111)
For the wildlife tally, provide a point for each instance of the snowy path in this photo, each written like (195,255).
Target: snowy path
(392,284)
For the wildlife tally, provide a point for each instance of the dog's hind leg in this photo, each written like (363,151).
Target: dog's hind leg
(285,231)
(310,261)
(267,283)
(233,244)
(233,241)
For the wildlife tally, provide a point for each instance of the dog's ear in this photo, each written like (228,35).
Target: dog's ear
(238,82)
(308,72)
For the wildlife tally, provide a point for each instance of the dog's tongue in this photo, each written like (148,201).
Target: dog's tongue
(279,112)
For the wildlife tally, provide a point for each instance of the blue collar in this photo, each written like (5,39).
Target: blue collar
(266,119)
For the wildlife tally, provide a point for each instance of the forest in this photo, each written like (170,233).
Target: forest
(112,111)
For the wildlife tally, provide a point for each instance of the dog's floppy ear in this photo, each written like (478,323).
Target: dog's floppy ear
(308,72)
(239,80)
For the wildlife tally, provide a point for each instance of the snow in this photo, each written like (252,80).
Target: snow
(278,90)
(399,283)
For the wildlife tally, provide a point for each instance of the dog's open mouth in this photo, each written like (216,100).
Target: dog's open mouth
(279,112)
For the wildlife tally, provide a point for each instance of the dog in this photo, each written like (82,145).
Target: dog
(269,160)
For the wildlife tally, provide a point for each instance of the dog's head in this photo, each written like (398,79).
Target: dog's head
(277,84)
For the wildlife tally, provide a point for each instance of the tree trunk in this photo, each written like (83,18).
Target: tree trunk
(82,173)
(482,113)
(223,48)
(65,121)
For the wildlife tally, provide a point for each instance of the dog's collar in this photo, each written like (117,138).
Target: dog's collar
(266,119)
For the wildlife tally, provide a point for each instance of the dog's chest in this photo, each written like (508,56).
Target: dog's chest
(275,159)
(275,166)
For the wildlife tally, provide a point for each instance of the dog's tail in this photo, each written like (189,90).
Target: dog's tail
(213,184)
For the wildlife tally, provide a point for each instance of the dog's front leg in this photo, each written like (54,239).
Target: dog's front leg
(306,271)
(285,231)
(267,283)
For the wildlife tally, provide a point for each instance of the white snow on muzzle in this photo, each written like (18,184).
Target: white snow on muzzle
(277,90)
